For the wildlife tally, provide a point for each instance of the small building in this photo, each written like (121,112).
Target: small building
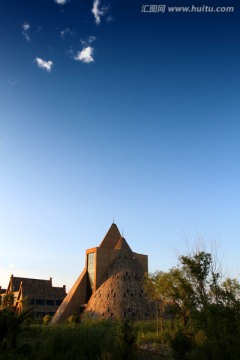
(36,294)
(111,284)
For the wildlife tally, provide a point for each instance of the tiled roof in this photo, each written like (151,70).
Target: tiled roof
(37,288)
(16,281)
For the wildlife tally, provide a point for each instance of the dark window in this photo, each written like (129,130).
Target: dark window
(58,302)
(82,309)
(32,301)
(129,310)
(125,315)
(50,302)
(124,294)
(111,314)
(40,302)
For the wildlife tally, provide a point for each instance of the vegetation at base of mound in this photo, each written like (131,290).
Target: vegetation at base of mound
(198,317)
(88,340)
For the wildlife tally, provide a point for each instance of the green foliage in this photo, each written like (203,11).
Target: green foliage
(87,340)
(10,327)
(208,307)
(46,319)
(72,319)
(7,300)
(181,344)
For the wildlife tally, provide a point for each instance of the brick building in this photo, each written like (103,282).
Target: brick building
(37,294)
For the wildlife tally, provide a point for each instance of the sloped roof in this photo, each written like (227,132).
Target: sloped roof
(36,288)
(122,244)
(16,281)
(111,238)
(42,290)
(121,293)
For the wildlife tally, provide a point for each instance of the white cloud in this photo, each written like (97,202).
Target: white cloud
(25,31)
(43,64)
(64,32)
(91,39)
(26,26)
(61,2)
(98,11)
(86,55)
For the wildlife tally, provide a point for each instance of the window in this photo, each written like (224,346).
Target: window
(90,268)
(58,302)
(50,302)
(40,302)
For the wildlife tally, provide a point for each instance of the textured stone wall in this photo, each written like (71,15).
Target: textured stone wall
(121,294)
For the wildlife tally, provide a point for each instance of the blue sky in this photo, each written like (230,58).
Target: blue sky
(107,111)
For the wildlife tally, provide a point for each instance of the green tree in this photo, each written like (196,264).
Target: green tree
(208,306)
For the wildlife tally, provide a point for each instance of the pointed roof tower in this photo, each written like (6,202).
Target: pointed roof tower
(110,285)
(122,245)
(111,238)
(121,294)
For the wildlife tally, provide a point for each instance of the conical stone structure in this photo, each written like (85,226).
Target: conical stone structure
(110,285)
(121,293)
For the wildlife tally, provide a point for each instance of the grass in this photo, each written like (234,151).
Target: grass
(89,340)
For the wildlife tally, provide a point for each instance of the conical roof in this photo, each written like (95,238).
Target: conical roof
(122,245)
(121,293)
(111,238)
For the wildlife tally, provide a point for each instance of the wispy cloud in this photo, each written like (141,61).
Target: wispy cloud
(99,10)
(89,41)
(86,55)
(64,32)
(61,2)
(25,31)
(43,64)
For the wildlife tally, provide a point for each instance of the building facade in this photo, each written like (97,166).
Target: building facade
(110,285)
(36,294)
